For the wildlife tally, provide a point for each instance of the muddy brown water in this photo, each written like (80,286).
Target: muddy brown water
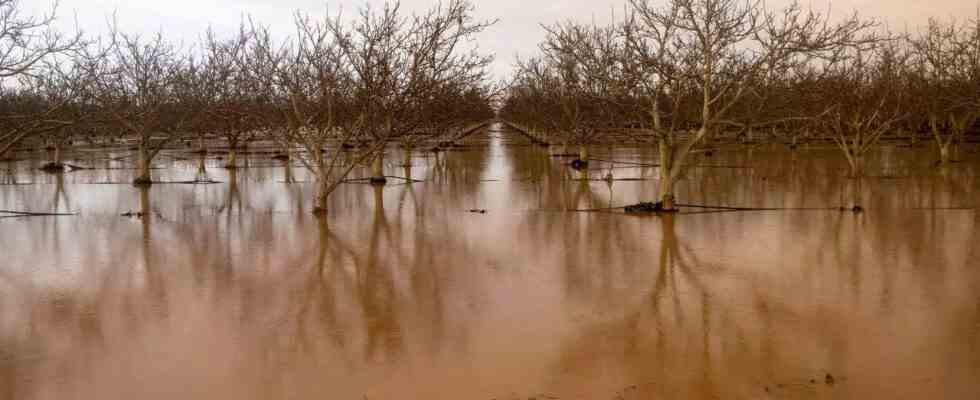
(234,290)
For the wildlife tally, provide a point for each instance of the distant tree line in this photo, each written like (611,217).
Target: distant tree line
(681,73)
(333,94)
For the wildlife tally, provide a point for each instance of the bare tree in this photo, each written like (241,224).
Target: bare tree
(865,92)
(366,81)
(25,43)
(399,63)
(143,91)
(942,82)
(717,51)
(585,72)
(65,88)
(229,97)
(318,109)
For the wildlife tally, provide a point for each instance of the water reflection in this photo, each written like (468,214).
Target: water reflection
(233,290)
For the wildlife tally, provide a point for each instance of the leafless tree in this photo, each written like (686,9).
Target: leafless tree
(25,43)
(398,64)
(230,98)
(718,51)
(584,72)
(367,82)
(865,92)
(143,89)
(66,89)
(944,66)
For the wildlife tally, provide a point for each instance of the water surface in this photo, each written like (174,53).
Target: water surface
(234,290)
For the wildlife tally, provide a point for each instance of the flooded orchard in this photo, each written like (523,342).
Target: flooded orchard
(233,289)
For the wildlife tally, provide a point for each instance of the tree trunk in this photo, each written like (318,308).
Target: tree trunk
(287,164)
(378,170)
(852,201)
(234,196)
(145,208)
(857,165)
(941,142)
(201,165)
(583,153)
(57,152)
(379,200)
(320,202)
(666,181)
(408,162)
(944,153)
(232,154)
(143,176)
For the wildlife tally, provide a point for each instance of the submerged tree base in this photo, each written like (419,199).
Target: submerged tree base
(53,168)
(648,208)
(378,180)
(142,181)
(855,209)
(580,164)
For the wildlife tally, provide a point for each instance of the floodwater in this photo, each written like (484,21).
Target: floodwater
(234,290)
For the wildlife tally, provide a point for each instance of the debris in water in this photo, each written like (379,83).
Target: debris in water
(829,380)
(579,164)
(477,211)
(645,207)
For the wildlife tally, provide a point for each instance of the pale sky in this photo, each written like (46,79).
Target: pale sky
(517,33)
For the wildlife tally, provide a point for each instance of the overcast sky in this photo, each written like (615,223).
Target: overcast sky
(518,31)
